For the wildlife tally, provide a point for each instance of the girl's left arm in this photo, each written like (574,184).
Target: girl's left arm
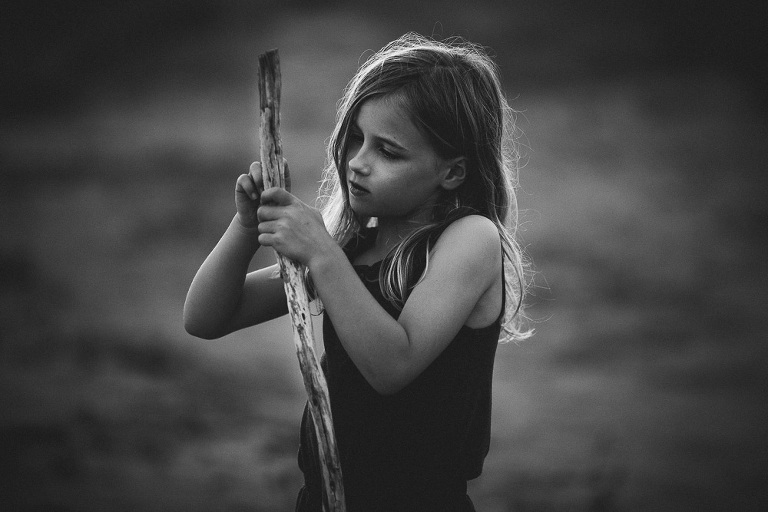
(390,353)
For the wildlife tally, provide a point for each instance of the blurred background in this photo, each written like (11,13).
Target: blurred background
(125,125)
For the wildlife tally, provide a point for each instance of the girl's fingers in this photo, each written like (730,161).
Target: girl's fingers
(243,183)
(268,233)
(246,185)
(269,227)
(277,196)
(266,239)
(270,212)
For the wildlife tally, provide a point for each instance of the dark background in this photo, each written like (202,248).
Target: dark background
(125,124)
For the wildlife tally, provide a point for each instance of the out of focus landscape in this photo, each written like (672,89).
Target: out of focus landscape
(124,126)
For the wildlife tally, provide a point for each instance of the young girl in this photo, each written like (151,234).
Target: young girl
(415,263)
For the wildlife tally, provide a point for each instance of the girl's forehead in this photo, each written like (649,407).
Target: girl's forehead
(386,115)
(387,107)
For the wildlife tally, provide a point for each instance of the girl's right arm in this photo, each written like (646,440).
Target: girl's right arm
(224,297)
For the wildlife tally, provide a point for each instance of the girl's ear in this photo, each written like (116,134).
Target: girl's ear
(454,173)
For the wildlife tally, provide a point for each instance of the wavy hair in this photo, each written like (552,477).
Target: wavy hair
(452,93)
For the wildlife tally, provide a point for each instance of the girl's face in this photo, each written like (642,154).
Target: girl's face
(392,171)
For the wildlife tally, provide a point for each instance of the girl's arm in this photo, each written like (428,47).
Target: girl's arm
(464,276)
(222,298)
(463,268)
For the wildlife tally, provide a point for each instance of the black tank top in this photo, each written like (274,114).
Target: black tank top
(421,444)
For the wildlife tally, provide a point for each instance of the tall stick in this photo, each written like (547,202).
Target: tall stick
(272,166)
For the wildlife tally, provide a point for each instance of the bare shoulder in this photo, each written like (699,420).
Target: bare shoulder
(473,236)
(472,246)
(469,256)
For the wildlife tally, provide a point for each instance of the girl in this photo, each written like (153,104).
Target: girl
(416,265)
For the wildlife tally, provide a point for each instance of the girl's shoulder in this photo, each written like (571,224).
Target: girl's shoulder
(473,231)
(474,240)
(469,253)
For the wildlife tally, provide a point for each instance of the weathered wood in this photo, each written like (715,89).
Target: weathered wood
(273,169)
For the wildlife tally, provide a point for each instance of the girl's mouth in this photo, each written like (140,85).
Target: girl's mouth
(357,190)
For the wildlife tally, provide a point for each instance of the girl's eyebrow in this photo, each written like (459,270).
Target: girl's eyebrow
(387,140)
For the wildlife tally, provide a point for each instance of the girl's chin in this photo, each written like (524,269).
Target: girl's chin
(359,207)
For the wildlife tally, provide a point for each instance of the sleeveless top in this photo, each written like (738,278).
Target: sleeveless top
(406,450)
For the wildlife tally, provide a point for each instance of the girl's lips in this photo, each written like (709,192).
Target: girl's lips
(356,190)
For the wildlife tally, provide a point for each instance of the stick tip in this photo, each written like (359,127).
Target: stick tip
(268,57)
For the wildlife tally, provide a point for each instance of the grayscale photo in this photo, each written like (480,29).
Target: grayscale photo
(357,256)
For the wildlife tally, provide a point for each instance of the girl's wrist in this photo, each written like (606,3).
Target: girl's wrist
(245,226)
(323,259)
(251,233)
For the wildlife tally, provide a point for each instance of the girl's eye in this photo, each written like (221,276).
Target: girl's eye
(387,153)
(356,138)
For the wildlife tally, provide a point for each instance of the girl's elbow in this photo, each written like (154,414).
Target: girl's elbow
(389,382)
(390,385)
(199,329)
(201,333)
(394,375)
(386,388)
(382,386)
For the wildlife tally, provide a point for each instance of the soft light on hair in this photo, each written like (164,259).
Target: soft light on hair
(452,93)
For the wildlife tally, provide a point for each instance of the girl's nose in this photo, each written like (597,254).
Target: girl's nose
(357,163)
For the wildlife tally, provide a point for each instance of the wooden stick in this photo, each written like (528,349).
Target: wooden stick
(273,169)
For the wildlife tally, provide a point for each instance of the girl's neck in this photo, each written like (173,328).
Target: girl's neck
(390,233)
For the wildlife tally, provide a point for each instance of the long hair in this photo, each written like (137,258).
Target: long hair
(452,93)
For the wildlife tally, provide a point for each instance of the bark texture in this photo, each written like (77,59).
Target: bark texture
(273,169)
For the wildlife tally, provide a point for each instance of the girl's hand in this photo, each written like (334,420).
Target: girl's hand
(248,191)
(292,228)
